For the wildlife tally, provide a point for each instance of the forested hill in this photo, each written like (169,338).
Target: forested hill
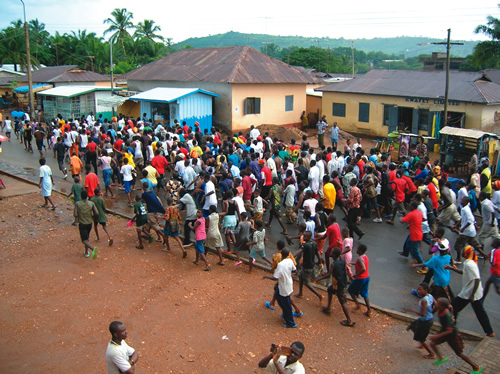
(406,46)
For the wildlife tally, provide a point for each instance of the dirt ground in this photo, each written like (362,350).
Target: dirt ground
(57,305)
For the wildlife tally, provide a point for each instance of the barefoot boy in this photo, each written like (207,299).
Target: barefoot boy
(359,285)
(422,326)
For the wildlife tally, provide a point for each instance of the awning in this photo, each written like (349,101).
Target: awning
(465,133)
(112,101)
(36,88)
(168,94)
(71,91)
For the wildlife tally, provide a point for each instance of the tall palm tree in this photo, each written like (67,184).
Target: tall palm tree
(119,24)
(147,29)
(487,54)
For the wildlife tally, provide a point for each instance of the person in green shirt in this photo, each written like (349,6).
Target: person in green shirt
(140,218)
(101,218)
(84,212)
(76,191)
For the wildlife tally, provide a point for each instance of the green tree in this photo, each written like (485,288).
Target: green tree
(119,26)
(487,54)
(148,30)
(13,46)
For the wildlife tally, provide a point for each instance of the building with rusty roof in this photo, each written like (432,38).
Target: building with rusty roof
(254,88)
(381,101)
(67,75)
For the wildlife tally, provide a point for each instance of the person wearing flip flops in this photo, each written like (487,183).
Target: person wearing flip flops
(338,276)
(450,335)
(200,235)
(84,212)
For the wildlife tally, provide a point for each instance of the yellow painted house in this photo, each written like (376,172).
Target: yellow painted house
(254,88)
(381,101)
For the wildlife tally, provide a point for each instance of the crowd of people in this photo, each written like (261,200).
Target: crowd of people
(232,188)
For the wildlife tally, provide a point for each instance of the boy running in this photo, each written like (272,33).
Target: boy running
(257,245)
(200,235)
(101,218)
(359,285)
(140,219)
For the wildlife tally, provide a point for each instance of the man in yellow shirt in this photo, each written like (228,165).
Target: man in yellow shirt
(329,195)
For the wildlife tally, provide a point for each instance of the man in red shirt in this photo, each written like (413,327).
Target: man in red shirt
(266,177)
(399,186)
(412,243)
(91,181)
(159,162)
(91,156)
(432,191)
(334,238)
(494,257)
(247,184)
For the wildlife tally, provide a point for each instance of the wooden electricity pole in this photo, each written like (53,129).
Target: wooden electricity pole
(447,87)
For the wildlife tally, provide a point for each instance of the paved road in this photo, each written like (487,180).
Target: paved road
(391,275)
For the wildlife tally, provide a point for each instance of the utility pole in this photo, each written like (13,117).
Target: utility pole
(352,57)
(111,64)
(31,99)
(447,86)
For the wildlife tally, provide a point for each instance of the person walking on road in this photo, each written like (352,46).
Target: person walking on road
(84,212)
(46,183)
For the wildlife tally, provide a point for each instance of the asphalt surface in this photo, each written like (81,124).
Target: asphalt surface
(391,277)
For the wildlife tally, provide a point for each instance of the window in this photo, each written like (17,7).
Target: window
(288,103)
(423,121)
(364,112)
(338,110)
(385,122)
(252,105)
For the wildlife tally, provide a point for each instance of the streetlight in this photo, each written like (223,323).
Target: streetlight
(31,99)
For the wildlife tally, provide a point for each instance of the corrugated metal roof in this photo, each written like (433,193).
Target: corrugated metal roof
(239,64)
(70,91)
(168,94)
(493,74)
(464,86)
(466,133)
(65,73)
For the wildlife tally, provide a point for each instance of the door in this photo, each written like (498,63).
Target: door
(393,119)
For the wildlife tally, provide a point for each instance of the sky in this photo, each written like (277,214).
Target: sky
(353,19)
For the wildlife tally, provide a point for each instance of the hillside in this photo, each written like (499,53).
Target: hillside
(408,45)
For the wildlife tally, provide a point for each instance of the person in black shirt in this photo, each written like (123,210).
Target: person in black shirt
(308,252)
(59,152)
(301,172)
(338,287)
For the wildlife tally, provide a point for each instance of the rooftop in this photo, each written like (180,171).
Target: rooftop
(238,64)
(475,87)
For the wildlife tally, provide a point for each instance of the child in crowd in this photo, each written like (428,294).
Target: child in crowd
(277,257)
(422,326)
(346,253)
(200,235)
(140,218)
(359,285)
(214,238)
(101,218)
(76,191)
(257,245)
(450,335)
(242,237)
(172,219)
(310,224)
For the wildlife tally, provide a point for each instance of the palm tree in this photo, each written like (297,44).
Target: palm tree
(13,46)
(147,29)
(487,54)
(119,24)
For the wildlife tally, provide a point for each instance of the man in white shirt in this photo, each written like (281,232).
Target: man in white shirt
(179,165)
(209,196)
(254,133)
(283,274)
(472,290)
(466,229)
(287,359)
(271,164)
(189,176)
(314,177)
(120,357)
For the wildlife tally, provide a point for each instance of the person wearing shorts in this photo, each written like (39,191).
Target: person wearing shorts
(200,234)
(84,212)
(359,285)
(257,246)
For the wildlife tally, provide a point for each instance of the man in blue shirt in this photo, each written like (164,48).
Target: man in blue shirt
(334,135)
